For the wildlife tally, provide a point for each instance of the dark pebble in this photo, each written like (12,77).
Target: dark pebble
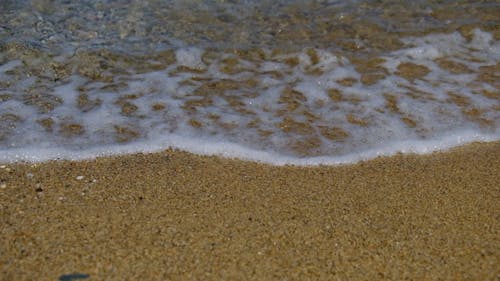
(73,276)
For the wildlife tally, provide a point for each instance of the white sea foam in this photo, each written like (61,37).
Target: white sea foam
(190,57)
(237,151)
(267,111)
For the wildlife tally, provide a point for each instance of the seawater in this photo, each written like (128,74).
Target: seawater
(281,82)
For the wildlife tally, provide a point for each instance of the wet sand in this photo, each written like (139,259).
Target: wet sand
(178,216)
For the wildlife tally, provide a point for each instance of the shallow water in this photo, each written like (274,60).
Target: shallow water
(297,82)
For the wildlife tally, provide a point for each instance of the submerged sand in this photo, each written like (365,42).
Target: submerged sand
(178,216)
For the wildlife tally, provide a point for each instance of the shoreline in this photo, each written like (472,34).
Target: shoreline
(233,151)
(176,215)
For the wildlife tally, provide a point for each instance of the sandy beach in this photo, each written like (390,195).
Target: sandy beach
(178,216)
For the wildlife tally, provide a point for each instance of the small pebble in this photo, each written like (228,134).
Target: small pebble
(80,178)
(73,276)
(3,166)
(3,185)
(8,169)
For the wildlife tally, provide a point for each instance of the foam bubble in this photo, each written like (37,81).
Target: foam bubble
(190,57)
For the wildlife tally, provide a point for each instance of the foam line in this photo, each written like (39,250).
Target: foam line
(237,151)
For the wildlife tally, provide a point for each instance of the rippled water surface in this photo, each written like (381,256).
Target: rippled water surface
(275,81)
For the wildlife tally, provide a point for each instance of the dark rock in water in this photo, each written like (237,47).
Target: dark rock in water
(73,276)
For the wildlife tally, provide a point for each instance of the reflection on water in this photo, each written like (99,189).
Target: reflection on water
(143,26)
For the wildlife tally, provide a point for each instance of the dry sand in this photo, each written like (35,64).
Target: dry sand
(178,216)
